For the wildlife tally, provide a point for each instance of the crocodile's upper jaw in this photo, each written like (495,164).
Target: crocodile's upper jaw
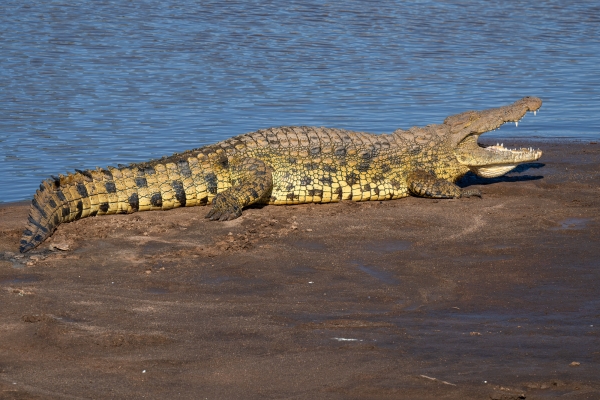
(491,161)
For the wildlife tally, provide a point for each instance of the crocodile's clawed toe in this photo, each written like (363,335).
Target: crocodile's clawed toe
(224,215)
(471,193)
(211,215)
(228,216)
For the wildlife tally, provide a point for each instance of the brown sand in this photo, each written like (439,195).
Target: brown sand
(419,299)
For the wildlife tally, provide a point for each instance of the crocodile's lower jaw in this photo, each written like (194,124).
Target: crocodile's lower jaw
(507,160)
(492,171)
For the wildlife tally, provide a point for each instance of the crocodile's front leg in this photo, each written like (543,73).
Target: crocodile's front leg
(424,184)
(251,180)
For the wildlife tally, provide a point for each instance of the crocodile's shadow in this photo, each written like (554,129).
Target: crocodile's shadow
(472,179)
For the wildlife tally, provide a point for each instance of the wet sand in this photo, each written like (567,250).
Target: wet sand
(409,299)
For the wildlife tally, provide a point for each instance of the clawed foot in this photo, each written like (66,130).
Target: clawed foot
(471,193)
(224,209)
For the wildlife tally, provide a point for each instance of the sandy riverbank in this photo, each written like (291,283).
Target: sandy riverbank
(454,299)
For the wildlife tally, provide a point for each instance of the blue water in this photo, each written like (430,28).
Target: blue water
(96,83)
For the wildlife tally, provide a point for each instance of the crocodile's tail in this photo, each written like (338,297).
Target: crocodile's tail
(44,216)
(176,182)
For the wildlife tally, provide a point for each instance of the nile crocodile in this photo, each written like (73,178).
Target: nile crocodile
(288,165)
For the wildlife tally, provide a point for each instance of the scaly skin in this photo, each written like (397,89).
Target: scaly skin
(287,165)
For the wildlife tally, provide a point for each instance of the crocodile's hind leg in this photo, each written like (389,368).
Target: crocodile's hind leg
(424,184)
(251,181)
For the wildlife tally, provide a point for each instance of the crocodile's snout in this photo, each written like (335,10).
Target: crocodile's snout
(492,161)
(532,103)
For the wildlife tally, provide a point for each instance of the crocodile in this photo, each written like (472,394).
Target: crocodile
(288,165)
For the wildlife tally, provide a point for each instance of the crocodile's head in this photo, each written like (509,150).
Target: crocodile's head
(491,161)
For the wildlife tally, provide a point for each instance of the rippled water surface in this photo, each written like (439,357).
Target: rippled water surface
(96,83)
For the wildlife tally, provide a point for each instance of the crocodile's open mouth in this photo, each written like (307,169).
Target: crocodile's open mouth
(492,161)
(500,152)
